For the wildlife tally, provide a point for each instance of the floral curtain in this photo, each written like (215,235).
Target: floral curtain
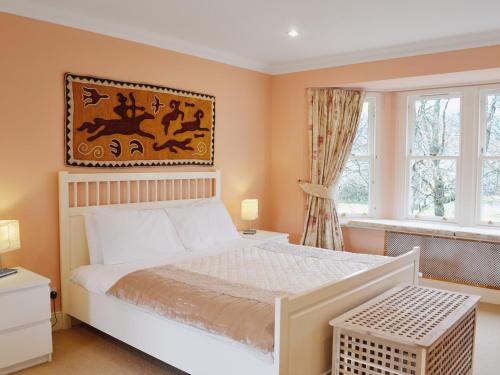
(333,120)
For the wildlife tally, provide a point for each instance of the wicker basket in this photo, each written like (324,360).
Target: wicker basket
(408,330)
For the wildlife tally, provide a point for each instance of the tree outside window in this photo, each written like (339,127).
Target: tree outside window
(490,159)
(355,184)
(434,151)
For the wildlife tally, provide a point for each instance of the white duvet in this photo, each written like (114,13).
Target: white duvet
(98,278)
(265,265)
(286,270)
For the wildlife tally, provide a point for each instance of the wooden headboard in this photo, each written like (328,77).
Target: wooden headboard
(81,193)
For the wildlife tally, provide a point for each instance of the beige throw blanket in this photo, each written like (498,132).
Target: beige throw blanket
(232,293)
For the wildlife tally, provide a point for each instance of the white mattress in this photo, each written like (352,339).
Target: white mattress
(271,266)
(280,267)
(98,278)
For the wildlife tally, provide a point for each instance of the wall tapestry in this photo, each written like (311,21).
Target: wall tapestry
(124,124)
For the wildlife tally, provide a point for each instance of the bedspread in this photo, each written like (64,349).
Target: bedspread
(232,293)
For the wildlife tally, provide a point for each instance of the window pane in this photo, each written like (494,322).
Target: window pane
(354,187)
(433,188)
(361,145)
(437,127)
(492,136)
(490,195)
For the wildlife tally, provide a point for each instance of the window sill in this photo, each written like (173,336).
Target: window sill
(345,220)
(427,228)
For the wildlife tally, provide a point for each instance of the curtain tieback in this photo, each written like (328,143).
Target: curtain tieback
(317,190)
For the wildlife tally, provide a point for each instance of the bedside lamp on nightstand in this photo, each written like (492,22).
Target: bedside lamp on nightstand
(249,212)
(9,240)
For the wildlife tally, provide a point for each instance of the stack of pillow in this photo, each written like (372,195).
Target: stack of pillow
(118,235)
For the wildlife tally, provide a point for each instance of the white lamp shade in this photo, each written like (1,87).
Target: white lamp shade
(9,235)
(249,209)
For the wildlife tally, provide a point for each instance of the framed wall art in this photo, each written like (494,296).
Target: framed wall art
(124,124)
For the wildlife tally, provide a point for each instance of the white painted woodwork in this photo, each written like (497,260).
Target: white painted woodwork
(469,175)
(458,232)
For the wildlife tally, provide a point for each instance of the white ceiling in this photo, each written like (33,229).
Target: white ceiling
(253,33)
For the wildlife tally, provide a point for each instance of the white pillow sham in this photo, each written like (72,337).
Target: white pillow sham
(203,225)
(127,235)
(93,241)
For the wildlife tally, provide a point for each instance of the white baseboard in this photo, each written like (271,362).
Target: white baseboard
(487,295)
(57,319)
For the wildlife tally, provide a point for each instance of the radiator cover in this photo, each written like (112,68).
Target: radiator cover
(457,260)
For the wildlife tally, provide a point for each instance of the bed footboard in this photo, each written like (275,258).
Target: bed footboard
(303,337)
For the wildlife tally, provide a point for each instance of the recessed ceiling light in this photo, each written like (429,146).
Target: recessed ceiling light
(293,33)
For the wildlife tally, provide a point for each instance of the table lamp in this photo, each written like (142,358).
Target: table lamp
(9,240)
(249,212)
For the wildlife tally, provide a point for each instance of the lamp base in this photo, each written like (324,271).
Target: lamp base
(249,231)
(7,272)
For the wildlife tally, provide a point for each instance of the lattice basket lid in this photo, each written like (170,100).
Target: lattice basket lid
(412,314)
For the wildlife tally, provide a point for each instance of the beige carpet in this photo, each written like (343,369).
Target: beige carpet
(83,350)
(487,359)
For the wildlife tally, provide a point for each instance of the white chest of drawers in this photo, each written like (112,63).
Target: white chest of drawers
(25,329)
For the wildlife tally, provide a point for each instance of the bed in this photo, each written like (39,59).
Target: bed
(302,338)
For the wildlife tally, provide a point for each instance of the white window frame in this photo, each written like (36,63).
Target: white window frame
(481,156)
(409,156)
(374,123)
(467,210)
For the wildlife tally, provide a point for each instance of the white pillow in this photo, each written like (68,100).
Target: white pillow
(93,241)
(203,225)
(129,235)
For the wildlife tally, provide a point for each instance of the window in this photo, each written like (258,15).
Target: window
(433,155)
(489,157)
(451,144)
(354,190)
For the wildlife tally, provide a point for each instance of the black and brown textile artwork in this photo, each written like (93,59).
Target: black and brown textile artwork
(123,124)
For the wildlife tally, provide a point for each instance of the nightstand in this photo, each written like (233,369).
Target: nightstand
(25,329)
(264,235)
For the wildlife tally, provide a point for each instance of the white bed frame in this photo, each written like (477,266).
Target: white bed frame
(303,338)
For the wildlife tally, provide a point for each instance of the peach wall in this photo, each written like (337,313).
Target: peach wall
(262,153)
(35,56)
(367,241)
(289,131)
